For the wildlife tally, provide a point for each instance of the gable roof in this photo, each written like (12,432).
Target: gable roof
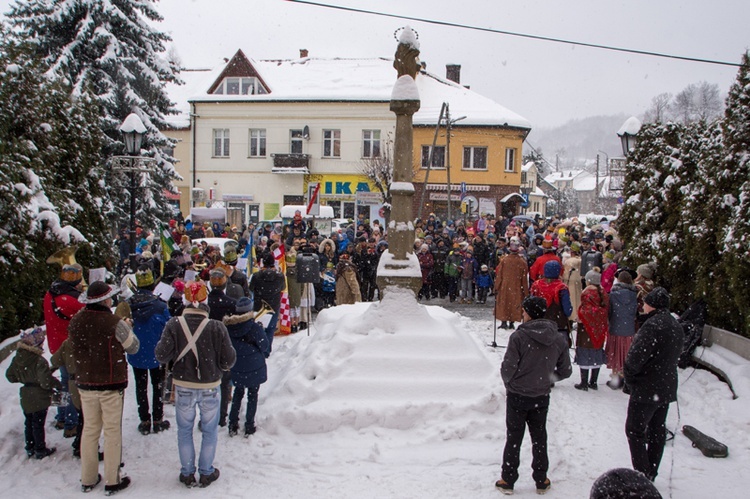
(353,80)
(238,65)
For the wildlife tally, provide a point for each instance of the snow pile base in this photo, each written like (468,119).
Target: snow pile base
(394,364)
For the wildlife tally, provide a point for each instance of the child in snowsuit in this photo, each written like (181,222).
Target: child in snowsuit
(329,286)
(468,270)
(64,358)
(484,284)
(31,368)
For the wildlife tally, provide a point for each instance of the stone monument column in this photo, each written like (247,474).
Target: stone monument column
(399,265)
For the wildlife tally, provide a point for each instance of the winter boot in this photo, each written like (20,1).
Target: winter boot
(161,425)
(504,325)
(207,480)
(144,427)
(511,325)
(584,384)
(114,489)
(249,430)
(234,429)
(504,487)
(542,488)
(89,488)
(594,377)
(188,480)
(70,432)
(47,451)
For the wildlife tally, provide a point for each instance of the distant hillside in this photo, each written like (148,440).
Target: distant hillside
(578,140)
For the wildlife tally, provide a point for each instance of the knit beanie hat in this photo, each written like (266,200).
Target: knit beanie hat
(514,247)
(244,305)
(196,292)
(535,306)
(622,483)
(593,277)
(144,277)
(658,298)
(646,270)
(552,269)
(72,273)
(34,337)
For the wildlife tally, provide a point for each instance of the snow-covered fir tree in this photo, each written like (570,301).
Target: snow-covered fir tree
(109,47)
(736,234)
(51,187)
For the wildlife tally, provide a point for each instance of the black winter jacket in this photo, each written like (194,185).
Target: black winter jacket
(651,364)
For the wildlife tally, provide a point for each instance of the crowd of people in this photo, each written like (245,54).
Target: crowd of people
(203,346)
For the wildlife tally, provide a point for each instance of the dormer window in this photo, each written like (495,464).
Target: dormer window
(239,85)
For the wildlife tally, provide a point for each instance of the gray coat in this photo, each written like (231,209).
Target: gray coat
(623,309)
(536,357)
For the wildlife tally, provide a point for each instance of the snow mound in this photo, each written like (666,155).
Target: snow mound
(394,364)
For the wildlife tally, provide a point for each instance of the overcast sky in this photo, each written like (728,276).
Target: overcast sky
(547,83)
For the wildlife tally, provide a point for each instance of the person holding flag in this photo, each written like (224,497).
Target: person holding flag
(167,245)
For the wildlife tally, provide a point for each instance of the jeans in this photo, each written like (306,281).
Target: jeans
(647,434)
(519,412)
(66,414)
(34,431)
(252,406)
(208,400)
(141,392)
(466,289)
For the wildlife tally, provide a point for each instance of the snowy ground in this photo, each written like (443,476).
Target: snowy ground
(399,400)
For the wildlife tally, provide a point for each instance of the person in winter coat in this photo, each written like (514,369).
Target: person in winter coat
(572,278)
(623,309)
(609,270)
(64,357)
(327,253)
(536,272)
(557,296)
(484,283)
(452,273)
(200,350)
(347,286)
(644,284)
(328,286)
(31,368)
(593,327)
(651,378)
(100,341)
(60,305)
(536,357)
(439,288)
(249,371)
(468,269)
(511,287)
(591,258)
(426,264)
(267,285)
(219,306)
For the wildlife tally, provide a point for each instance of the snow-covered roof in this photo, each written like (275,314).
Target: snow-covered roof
(357,80)
(528,166)
(565,175)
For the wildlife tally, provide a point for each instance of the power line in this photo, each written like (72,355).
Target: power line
(521,35)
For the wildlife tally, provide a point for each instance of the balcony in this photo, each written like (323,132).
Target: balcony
(291,163)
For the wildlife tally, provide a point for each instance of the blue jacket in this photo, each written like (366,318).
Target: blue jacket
(251,344)
(150,315)
(623,309)
(484,280)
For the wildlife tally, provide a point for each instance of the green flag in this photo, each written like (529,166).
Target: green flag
(167,244)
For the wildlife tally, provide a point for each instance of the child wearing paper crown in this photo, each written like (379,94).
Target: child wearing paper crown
(31,368)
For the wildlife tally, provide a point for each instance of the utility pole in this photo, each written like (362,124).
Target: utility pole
(448,154)
(429,161)
(597,178)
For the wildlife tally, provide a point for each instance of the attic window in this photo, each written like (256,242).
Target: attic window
(236,85)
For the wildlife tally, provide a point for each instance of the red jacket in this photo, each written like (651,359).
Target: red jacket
(537,269)
(60,305)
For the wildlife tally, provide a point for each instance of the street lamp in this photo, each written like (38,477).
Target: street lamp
(628,134)
(132,130)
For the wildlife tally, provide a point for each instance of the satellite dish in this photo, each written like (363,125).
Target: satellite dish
(306,133)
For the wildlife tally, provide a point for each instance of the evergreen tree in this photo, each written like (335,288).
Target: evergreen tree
(51,192)
(736,234)
(109,47)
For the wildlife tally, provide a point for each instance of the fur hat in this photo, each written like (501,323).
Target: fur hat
(144,277)
(535,306)
(646,270)
(218,278)
(196,292)
(552,269)
(71,273)
(622,483)
(658,298)
(244,305)
(514,247)
(593,277)
(97,292)
(34,337)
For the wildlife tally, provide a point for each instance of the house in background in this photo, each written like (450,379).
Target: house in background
(530,186)
(254,133)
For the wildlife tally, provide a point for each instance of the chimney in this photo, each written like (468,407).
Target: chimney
(302,53)
(453,73)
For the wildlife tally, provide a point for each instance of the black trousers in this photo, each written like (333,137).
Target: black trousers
(226,397)
(34,431)
(647,434)
(252,406)
(141,392)
(521,411)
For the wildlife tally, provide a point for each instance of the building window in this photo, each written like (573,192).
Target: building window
(475,158)
(221,142)
(524,177)
(438,156)
(370,143)
(332,143)
(257,142)
(295,141)
(510,160)
(236,85)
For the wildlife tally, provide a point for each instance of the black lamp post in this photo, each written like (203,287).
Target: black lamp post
(628,134)
(133,130)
